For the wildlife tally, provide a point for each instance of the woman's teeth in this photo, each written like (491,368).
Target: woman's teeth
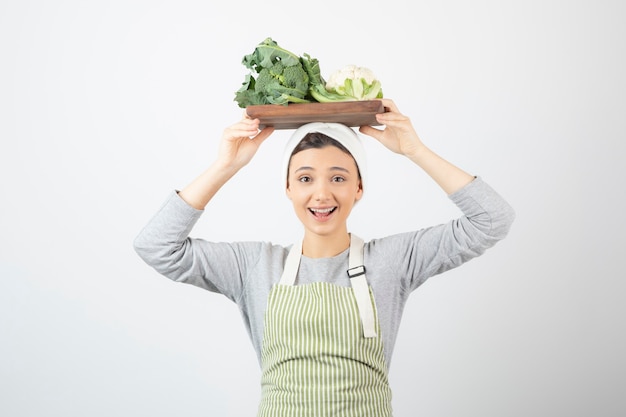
(322,211)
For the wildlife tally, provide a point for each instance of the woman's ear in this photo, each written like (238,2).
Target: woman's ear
(359,192)
(288,190)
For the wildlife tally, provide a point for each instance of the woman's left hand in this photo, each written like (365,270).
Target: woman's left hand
(398,135)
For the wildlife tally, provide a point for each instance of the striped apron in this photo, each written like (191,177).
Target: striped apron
(322,354)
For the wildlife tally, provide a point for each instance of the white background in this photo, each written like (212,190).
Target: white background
(107,106)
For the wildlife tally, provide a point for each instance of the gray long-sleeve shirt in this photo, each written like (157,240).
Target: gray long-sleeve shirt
(396,265)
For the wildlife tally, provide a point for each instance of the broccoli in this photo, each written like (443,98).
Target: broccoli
(280,77)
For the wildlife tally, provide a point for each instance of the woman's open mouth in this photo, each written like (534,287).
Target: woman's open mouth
(322,213)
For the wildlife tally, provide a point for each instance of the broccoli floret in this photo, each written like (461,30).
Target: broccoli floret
(280,85)
(296,77)
(277,69)
(264,81)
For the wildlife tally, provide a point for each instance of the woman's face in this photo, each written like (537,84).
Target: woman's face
(323,185)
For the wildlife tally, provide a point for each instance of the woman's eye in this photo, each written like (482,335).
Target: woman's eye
(338,179)
(304,179)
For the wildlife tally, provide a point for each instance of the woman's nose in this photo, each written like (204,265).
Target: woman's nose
(321,191)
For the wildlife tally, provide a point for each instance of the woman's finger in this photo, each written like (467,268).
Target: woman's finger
(371,131)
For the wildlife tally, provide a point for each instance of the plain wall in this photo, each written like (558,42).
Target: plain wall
(107,106)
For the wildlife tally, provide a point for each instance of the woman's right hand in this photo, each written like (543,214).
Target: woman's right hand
(240,142)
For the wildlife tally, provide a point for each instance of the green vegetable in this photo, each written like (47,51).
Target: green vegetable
(278,76)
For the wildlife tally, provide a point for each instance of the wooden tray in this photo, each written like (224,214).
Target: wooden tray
(293,115)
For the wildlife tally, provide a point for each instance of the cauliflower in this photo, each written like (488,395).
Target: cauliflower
(358,83)
(350,83)
(338,77)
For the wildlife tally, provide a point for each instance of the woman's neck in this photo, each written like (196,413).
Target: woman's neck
(325,246)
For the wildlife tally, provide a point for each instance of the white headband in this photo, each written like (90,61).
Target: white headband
(340,132)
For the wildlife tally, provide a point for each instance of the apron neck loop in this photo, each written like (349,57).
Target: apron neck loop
(356,272)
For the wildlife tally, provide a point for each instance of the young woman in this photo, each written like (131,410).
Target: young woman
(323,314)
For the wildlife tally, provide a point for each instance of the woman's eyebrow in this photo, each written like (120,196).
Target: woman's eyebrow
(339,169)
(308,168)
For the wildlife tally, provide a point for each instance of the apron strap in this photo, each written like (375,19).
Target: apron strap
(292,264)
(356,272)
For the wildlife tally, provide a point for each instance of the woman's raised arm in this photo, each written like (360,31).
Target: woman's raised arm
(239,144)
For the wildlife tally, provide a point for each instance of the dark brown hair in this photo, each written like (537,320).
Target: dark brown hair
(317,140)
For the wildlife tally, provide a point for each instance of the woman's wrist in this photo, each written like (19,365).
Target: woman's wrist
(419,153)
(224,169)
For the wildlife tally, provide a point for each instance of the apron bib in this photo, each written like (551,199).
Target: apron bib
(322,354)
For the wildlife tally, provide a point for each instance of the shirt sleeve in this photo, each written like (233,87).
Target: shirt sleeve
(165,245)
(416,256)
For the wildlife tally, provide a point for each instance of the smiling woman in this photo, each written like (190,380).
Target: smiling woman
(323,314)
(324,183)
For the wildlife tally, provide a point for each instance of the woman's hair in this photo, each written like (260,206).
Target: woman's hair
(317,140)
